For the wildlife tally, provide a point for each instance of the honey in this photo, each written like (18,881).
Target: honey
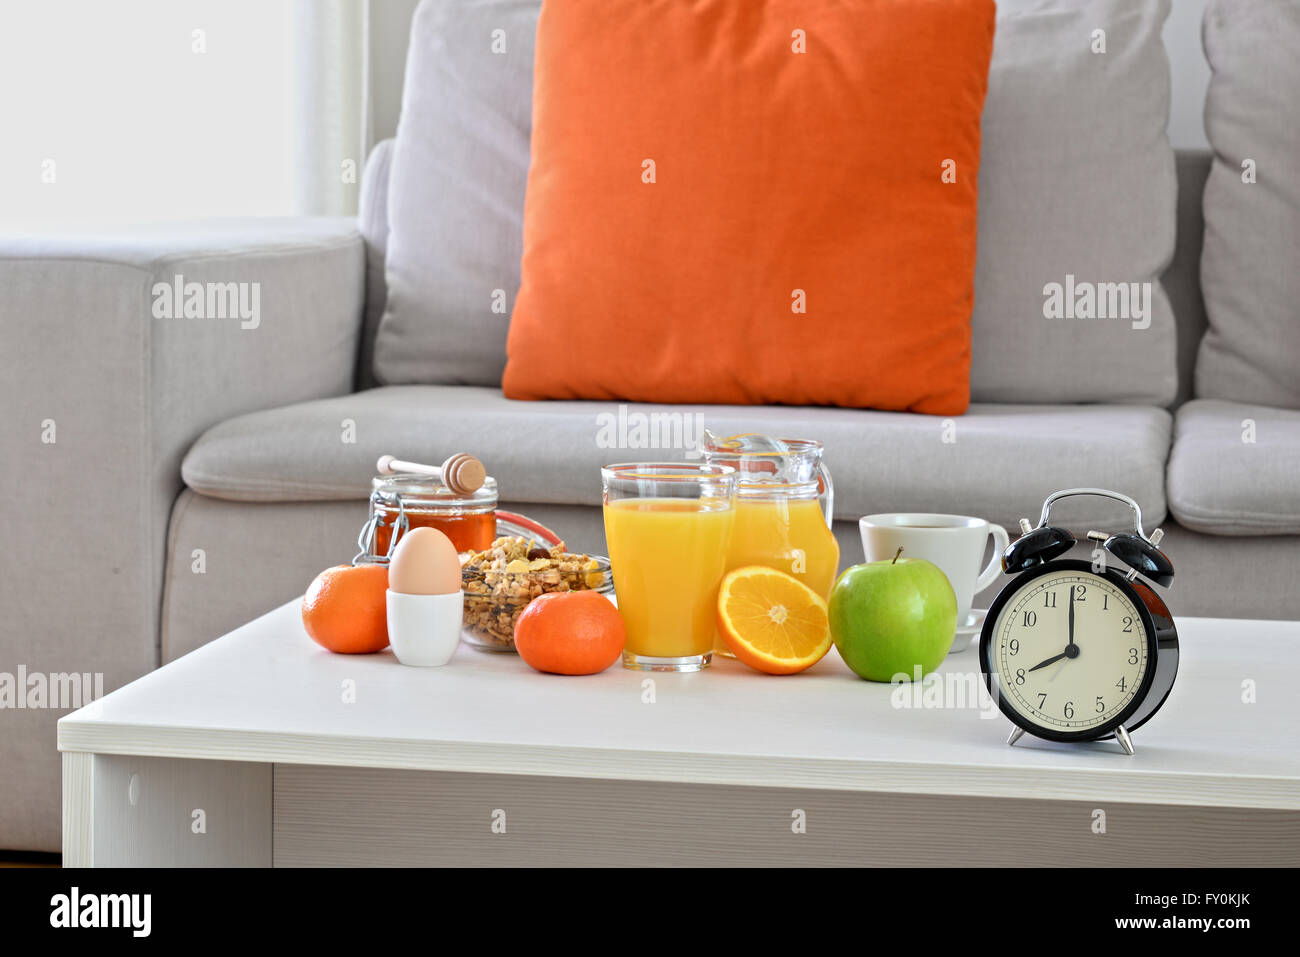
(468,531)
(404,501)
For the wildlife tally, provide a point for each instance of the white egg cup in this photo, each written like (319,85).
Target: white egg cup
(424,630)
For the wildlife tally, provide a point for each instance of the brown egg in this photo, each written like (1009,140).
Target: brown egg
(424,563)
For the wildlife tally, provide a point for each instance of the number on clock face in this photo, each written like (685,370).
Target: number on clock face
(1063,676)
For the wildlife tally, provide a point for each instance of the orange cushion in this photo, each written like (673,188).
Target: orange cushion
(695,180)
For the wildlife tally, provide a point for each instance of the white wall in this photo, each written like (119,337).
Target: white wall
(1190,73)
(139,126)
(110,113)
(390,30)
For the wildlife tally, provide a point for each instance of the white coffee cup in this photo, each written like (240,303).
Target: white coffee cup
(955,543)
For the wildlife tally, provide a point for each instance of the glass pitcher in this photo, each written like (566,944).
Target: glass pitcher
(783,508)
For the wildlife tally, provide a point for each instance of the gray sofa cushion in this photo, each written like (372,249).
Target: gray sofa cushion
(456,197)
(995,461)
(1250,268)
(1076,179)
(1234,468)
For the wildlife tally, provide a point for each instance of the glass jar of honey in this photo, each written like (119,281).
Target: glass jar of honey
(404,501)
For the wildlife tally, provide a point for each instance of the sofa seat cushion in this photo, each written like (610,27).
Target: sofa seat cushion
(997,461)
(1233,469)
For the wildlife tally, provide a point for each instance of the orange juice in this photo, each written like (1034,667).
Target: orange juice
(668,557)
(787,534)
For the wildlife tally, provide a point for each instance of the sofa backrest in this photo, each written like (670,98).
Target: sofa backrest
(1182,280)
(1072,238)
(372,221)
(1251,349)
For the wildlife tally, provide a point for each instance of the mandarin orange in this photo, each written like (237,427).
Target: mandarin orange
(345,609)
(570,633)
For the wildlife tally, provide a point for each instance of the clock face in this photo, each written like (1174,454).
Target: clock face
(1071,651)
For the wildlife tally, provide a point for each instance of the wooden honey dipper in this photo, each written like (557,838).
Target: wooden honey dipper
(461,473)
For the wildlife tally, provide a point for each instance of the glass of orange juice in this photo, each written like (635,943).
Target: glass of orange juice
(668,526)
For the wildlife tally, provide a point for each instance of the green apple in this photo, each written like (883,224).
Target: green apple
(888,618)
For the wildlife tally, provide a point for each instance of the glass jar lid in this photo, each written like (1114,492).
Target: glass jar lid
(416,490)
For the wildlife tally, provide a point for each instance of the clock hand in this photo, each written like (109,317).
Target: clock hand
(1044,664)
(1071,642)
(1071,649)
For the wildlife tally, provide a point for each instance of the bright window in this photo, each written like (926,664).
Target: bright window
(134,110)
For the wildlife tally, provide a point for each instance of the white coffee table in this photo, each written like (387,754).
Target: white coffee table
(260,748)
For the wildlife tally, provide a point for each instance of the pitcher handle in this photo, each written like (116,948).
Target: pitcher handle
(828,493)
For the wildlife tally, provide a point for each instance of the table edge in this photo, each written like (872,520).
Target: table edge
(899,777)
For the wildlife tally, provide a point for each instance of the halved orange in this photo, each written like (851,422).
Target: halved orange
(772,621)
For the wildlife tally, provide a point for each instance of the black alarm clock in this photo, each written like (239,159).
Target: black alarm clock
(1076,650)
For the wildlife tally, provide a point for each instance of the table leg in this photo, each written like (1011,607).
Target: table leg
(124,811)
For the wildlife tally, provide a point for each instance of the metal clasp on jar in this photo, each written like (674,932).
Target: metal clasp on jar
(370,531)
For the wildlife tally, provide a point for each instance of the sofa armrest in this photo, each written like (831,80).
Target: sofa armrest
(108,377)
